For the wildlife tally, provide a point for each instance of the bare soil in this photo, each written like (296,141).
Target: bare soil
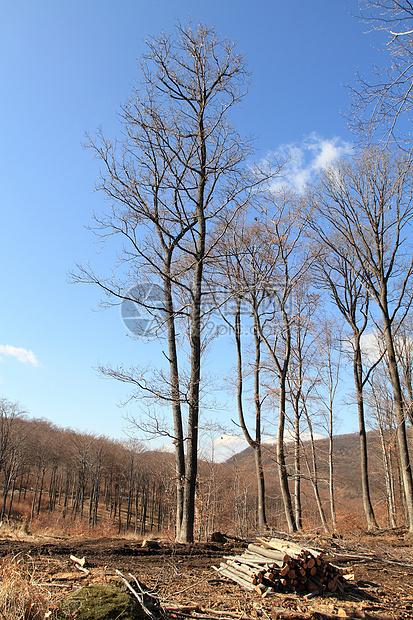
(184,580)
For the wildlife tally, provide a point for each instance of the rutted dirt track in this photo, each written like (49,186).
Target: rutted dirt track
(183,577)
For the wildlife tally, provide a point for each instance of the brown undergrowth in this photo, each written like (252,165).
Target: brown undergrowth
(21,595)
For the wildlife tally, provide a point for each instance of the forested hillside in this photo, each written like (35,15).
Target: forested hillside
(62,479)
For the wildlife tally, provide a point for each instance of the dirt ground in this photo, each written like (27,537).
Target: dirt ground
(184,580)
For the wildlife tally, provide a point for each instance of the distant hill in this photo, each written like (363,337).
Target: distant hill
(347,478)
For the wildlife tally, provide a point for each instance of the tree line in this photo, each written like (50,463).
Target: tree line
(66,481)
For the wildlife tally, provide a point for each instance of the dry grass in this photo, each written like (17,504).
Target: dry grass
(21,596)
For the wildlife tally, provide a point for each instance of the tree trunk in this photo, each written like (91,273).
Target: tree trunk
(388,477)
(144,502)
(331,469)
(128,508)
(20,486)
(313,471)
(399,414)
(136,507)
(262,519)
(120,514)
(254,444)
(40,491)
(11,499)
(34,495)
(297,465)
(358,379)
(186,531)
(282,467)
(7,482)
(176,399)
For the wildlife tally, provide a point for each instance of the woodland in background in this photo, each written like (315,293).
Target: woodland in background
(61,480)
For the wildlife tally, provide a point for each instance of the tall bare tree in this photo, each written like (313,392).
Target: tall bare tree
(241,273)
(179,168)
(366,206)
(352,300)
(381,404)
(290,259)
(301,380)
(329,367)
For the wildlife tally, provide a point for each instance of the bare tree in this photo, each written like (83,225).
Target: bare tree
(301,382)
(241,273)
(366,206)
(352,300)
(382,105)
(312,467)
(404,351)
(179,168)
(329,366)
(10,413)
(285,263)
(381,404)
(12,454)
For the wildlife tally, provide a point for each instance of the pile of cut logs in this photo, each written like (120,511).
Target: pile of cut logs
(278,565)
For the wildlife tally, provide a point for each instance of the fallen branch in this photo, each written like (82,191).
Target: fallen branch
(195,583)
(369,558)
(202,611)
(139,597)
(220,617)
(57,585)
(80,561)
(174,607)
(231,614)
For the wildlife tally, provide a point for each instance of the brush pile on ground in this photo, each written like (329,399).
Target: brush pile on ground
(281,566)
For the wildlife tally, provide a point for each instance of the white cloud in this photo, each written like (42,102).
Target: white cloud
(227,445)
(305,159)
(166,447)
(371,346)
(22,355)
(270,439)
(219,449)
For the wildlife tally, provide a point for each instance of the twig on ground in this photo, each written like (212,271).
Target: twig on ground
(138,597)
(195,583)
(231,614)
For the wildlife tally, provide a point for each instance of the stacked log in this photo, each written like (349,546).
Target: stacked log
(277,565)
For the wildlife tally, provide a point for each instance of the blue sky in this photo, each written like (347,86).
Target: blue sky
(64,69)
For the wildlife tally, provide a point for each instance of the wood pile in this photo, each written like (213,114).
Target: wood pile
(278,565)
